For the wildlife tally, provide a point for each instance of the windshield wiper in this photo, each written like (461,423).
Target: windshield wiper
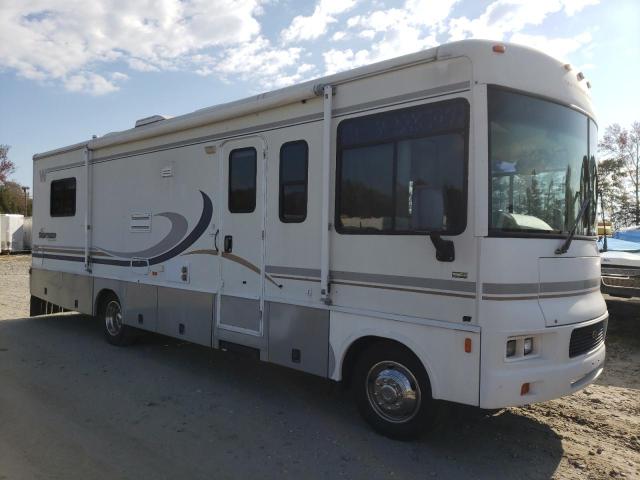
(567,243)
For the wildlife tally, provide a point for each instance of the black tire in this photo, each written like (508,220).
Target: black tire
(111,315)
(385,365)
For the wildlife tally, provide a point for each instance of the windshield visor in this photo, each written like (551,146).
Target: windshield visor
(541,167)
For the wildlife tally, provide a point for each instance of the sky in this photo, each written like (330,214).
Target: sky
(70,69)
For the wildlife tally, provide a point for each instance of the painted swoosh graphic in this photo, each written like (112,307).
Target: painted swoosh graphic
(178,230)
(234,258)
(168,247)
(196,233)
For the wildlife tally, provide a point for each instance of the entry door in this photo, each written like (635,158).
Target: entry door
(240,240)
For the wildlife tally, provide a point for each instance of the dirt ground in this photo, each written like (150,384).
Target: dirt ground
(72,406)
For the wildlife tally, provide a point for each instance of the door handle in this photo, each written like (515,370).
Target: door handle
(228,244)
(215,240)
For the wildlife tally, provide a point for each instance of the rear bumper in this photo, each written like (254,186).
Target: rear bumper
(551,375)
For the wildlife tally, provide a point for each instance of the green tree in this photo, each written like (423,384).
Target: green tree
(6,166)
(621,148)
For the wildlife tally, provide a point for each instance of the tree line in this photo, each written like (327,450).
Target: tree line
(11,192)
(619,174)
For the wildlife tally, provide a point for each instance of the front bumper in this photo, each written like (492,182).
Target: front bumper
(551,375)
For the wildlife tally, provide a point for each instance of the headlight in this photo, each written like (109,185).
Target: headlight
(528,345)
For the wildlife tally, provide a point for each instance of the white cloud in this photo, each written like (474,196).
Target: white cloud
(336,37)
(89,82)
(314,25)
(398,31)
(504,17)
(61,40)
(258,61)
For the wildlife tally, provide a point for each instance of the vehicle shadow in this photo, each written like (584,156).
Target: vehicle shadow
(276,422)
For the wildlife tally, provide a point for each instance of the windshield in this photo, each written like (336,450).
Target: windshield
(542,169)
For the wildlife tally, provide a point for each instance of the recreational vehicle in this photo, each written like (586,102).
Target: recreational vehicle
(11,232)
(422,229)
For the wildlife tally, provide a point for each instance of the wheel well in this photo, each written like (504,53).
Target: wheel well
(359,346)
(101,299)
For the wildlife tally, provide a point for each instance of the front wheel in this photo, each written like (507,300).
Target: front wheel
(392,391)
(115,331)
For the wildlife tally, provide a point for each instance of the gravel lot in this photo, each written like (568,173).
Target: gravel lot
(71,406)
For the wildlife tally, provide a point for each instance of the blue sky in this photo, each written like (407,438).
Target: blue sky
(70,69)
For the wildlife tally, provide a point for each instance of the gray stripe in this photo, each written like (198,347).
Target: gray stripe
(64,167)
(301,272)
(509,288)
(553,287)
(314,117)
(407,97)
(432,283)
(535,288)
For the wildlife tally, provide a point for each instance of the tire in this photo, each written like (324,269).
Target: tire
(115,331)
(392,391)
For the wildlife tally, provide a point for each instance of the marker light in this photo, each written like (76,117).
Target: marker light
(528,345)
(524,389)
(499,48)
(511,348)
(567,67)
(580,76)
(467,345)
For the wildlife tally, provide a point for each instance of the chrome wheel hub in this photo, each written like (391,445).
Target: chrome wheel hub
(393,391)
(113,318)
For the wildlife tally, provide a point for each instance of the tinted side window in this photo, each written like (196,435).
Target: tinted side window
(63,198)
(404,171)
(242,180)
(294,163)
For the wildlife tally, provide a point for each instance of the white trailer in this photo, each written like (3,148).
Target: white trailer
(423,228)
(11,232)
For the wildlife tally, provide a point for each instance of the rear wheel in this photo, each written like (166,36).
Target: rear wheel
(392,391)
(115,331)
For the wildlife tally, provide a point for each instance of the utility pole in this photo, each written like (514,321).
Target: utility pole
(26,201)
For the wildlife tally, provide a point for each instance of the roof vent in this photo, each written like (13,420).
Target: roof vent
(149,120)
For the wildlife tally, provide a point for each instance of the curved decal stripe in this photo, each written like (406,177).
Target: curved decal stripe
(196,233)
(178,230)
(234,258)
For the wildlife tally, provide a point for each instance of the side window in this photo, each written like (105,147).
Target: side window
(294,165)
(63,198)
(242,180)
(404,171)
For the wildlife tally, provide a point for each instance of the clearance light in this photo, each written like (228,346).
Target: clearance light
(588,84)
(524,389)
(567,67)
(580,76)
(528,345)
(467,345)
(511,348)
(499,48)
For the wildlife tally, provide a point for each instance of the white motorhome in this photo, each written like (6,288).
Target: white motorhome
(11,232)
(423,228)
